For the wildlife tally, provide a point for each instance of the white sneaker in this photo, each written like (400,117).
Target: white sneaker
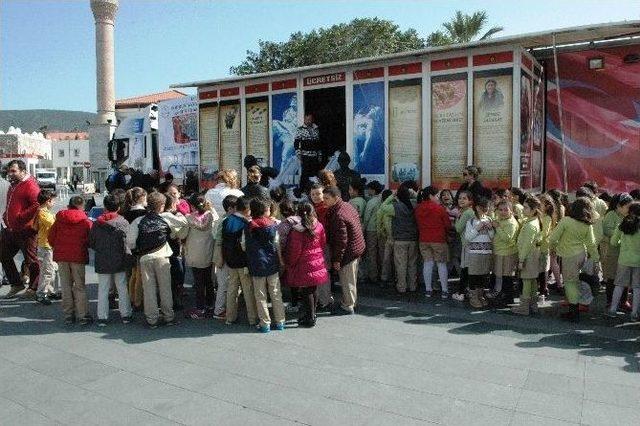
(458,297)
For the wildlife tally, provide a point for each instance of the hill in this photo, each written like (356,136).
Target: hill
(30,120)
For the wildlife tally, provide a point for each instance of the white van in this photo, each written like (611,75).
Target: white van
(47,179)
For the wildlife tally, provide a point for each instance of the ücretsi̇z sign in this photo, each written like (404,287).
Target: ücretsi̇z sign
(324,79)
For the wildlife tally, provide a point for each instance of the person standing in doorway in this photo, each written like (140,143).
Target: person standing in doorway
(307,146)
(19,235)
(345,175)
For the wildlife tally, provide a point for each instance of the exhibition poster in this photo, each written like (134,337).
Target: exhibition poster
(258,131)
(230,138)
(526,128)
(368,130)
(492,126)
(284,119)
(405,133)
(448,130)
(538,132)
(209,149)
(178,136)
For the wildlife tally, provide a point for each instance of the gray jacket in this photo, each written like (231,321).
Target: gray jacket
(109,240)
(403,224)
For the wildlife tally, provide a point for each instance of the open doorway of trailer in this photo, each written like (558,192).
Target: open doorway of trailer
(328,107)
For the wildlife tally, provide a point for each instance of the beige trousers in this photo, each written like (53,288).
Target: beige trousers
(156,278)
(348,282)
(74,292)
(271,284)
(325,298)
(387,261)
(48,281)
(239,278)
(405,256)
(375,254)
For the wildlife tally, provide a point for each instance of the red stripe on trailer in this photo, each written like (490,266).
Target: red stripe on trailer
(492,58)
(209,94)
(370,73)
(448,64)
(231,91)
(415,68)
(284,84)
(527,63)
(257,88)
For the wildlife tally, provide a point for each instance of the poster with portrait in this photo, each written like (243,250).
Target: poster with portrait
(493,126)
(526,132)
(284,123)
(209,145)
(405,131)
(258,130)
(538,131)
(448,130)
(230,138)
(368,130)
(178,136)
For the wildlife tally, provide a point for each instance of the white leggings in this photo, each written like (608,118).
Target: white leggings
(443,274)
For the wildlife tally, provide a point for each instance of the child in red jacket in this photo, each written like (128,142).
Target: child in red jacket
(69,238)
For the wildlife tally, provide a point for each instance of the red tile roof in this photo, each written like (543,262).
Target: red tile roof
(146,100)
(66,136)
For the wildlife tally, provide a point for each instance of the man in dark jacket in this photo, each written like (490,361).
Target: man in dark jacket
(346,243)
(108,237)
(307,146)
(253,189)
(344,175)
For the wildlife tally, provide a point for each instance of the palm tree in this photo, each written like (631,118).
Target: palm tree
(462,28)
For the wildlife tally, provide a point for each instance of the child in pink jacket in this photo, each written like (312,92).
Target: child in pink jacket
(304,258)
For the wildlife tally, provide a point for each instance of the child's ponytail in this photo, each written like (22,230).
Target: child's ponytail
(307,217)
(631,222)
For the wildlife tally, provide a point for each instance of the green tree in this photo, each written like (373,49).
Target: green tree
(359,38)
(462,28)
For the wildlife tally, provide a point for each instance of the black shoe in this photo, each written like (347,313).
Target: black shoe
(152,326)
(170,323)
(572,315)
(43,299)
(325,308)
(86,320)
(339,311)
(112,302)
(69,320)
(55,296)
(102,323)
(126,320)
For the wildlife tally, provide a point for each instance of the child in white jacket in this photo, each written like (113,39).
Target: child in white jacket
(198,254)
(478,236)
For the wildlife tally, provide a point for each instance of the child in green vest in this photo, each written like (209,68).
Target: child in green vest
(627,237)
(529,240)
(574,239)
(505,252)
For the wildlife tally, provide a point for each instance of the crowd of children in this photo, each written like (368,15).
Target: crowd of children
(243,247)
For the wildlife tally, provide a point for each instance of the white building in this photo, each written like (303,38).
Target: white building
(33,148)
(71,155)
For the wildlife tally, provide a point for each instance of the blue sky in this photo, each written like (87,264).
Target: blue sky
(47,47)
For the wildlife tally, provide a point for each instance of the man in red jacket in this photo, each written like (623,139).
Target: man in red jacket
(19,235)
(346,243)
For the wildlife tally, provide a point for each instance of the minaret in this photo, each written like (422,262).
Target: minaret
(104,13)
(102,129)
